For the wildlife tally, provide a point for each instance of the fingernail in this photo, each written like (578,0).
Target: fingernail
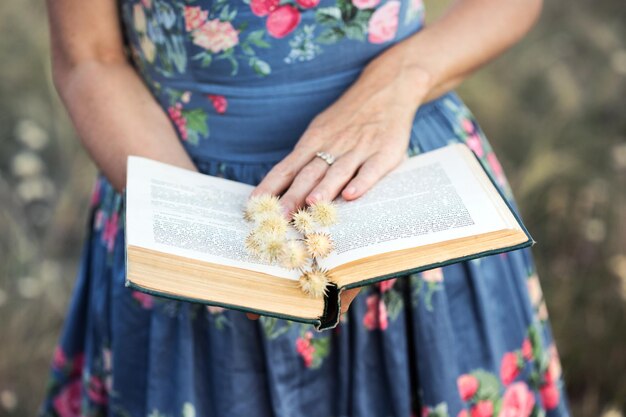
(286,211)
(315,197)
(351,190)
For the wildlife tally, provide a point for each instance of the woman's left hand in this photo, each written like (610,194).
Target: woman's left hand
(367,130)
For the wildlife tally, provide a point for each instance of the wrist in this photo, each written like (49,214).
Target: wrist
(413,81)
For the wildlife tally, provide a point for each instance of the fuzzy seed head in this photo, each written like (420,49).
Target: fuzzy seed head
(319,244)
(314,282)
(323,212)
(303,222)
(272,247)
(260,205)
(252,244)
(295,255)
(272,223)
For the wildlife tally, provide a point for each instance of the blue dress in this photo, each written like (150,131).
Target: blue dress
(240,80)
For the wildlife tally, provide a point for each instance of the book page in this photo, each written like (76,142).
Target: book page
(431,198)
(185,213)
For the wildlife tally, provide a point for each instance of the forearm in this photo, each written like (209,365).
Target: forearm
(115,116)
(471,33)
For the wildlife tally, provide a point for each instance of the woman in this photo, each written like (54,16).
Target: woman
(251,90)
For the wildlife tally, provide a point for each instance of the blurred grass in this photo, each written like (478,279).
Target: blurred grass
(554,108)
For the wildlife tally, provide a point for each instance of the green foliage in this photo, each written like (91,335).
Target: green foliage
(197,126)
(488,386)
(343,20)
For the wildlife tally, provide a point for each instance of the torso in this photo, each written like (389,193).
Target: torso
(241,79)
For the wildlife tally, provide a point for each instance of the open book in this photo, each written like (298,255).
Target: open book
(185,234)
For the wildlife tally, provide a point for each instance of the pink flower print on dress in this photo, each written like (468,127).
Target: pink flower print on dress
(509,368)
(433,275)
(463,413)
(95,194)
(554,366)
(307,4)
(376,316)
(97,224)
(527,349)
(144,299)
(518,401)
(176,115)
(282,20)
(305,349)
(482,408)
(107,367)
(370,319)
(467,125)
(107,359)
(549,394)
(468,385)
(416,4)
(474,143)
(386,285)
(534,289)
(110,230)
(67,402)
(365,4)
(263,7)
(59,359)
(496,168)
(194,17)
(383,24)
(216,36)
(97,391)
(78,363)
(219,102)
(383,321)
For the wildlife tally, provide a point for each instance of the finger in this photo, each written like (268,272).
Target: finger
(346,298)
(370,172)
(336,177)
(302,185)
(283,173)
(252,316)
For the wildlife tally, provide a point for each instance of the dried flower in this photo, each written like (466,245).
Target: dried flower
(314,282)
(318,244)
(272,223)
(259,205)
(269,239)
(272,246)
(253,246)
(303,221)
(295,255)
(325,213)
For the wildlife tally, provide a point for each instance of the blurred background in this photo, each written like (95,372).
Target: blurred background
(554,108)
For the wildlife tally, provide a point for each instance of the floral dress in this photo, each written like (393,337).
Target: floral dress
(240,80)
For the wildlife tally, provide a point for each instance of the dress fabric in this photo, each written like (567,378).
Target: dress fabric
(240,80)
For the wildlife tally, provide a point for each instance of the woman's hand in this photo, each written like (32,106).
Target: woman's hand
(367,130)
